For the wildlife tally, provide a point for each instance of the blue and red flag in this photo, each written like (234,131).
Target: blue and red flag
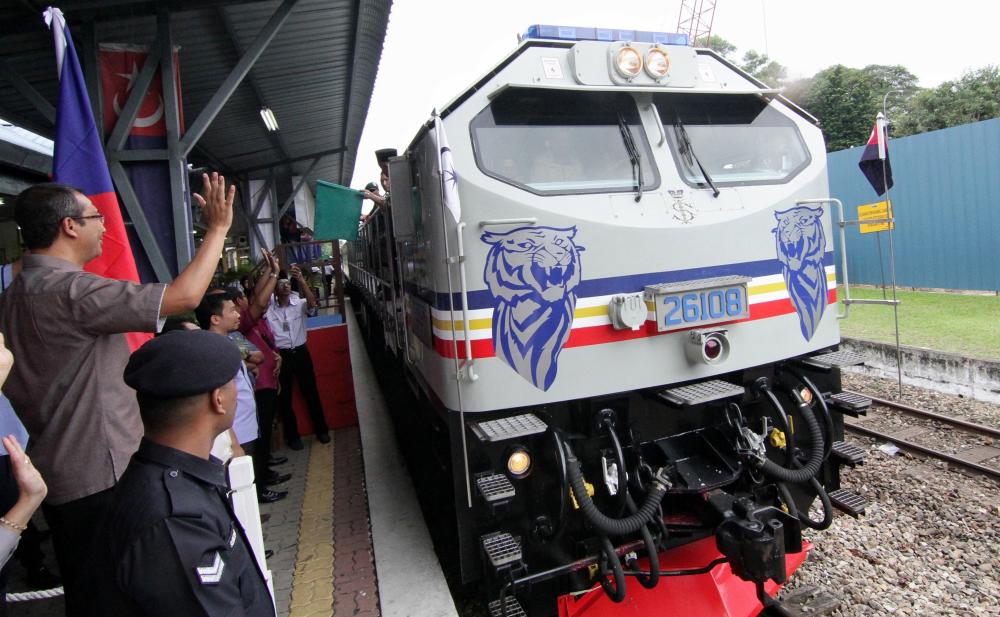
(79,160)
(874,162)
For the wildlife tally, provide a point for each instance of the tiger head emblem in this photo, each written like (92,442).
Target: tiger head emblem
(532,274)
(801,247)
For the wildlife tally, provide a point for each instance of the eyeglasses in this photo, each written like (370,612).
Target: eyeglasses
(99,217)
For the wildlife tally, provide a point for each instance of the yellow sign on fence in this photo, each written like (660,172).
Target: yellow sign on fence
(878,211)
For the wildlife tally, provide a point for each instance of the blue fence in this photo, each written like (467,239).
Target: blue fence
(946,200)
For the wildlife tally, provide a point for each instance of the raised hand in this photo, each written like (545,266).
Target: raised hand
(216,202)
(31,486)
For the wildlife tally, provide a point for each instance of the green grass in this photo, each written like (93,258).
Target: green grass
(962,324)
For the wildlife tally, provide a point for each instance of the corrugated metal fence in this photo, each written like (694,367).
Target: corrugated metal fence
(947,204)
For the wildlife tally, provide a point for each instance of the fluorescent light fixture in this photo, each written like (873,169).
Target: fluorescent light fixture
(268,117)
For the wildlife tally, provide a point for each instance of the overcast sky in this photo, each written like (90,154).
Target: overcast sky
(436,48)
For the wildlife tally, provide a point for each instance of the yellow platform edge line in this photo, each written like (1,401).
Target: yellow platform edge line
(312,579)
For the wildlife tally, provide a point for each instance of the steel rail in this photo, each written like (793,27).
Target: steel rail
(969,426)
(915,447)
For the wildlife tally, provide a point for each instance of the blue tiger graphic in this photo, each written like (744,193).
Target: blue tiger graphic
(801,247)
(532,273)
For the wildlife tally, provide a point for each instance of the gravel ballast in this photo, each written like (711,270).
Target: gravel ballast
(929,543)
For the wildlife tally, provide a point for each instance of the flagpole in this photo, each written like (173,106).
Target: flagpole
(884,135)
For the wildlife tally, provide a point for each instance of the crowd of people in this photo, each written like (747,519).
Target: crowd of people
(126,447)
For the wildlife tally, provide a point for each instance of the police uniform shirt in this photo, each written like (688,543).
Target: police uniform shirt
(171,545)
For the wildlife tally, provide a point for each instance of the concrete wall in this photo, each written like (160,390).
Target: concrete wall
(945,372)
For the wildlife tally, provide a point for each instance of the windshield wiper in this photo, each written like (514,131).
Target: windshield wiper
(687,151)
(633,156)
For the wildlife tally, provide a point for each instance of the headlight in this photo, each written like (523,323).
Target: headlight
(657,63)
(628,62)
(519,463)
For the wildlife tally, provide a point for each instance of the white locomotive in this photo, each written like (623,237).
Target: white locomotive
(608,267)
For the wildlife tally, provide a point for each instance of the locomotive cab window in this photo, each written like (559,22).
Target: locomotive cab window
(736,140)
(557,143)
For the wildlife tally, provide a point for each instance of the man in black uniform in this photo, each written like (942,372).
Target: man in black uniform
(171,544)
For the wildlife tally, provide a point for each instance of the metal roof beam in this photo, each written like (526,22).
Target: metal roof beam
(295,159)
(273,136)
(221,96)
(298,188)
(27,91)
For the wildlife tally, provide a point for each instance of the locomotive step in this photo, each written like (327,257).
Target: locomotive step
(851,454)
(848,502)
(513,608)
(849,403)
(834,359)
(502,549)
(513,427)
(495,488)
(703,392)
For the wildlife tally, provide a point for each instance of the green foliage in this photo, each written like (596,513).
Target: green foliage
(846,99)
(718,44)
(763,68)
(973,97)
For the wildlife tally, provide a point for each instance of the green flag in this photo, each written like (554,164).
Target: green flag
(338,210)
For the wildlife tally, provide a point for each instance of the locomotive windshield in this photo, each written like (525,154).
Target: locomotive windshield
(739,140)
(554,143)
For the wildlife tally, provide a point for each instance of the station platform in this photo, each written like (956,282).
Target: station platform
(350,538)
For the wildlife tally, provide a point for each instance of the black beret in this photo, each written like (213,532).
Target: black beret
(183,363)
(384,155)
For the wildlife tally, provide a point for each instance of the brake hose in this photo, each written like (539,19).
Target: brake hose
(610,557)
(604,523)
(824,410)
(812,466)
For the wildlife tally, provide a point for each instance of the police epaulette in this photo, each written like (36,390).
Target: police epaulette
(183,501)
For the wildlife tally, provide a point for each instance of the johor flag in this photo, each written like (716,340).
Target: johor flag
(875,155)
(119,69)
(449,180)
(79,160)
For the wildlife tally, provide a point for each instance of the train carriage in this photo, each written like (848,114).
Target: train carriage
(608,266)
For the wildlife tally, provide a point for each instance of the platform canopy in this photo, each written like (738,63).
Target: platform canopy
(311,62)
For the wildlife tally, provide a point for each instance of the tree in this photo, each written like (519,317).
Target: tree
(973,97)
(763,68)
(846,100)
(841,98)
(718,44)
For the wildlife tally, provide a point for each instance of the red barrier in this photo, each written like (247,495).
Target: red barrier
(331,356)
(718,593)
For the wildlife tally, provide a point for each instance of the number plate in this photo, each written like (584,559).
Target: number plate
(689,304)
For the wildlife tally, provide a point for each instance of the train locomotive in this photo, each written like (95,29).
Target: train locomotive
(607,268)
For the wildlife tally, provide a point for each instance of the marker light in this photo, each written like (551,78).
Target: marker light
(628,62)
(519,463)
(576,33)
(657,63)
(806,395)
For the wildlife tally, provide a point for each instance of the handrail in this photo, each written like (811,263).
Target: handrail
(842,223)
(464,289)
(529,220)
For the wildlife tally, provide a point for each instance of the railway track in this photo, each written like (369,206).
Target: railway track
(904,438)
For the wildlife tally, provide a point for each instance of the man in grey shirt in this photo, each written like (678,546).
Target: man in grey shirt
(66,328)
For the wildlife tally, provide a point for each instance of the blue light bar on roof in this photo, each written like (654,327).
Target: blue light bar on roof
(572,33)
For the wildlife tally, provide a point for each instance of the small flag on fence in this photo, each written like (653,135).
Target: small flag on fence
(449,195)
(338,210)
(874,162)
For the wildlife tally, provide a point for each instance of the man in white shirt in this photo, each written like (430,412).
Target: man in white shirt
(287,317)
